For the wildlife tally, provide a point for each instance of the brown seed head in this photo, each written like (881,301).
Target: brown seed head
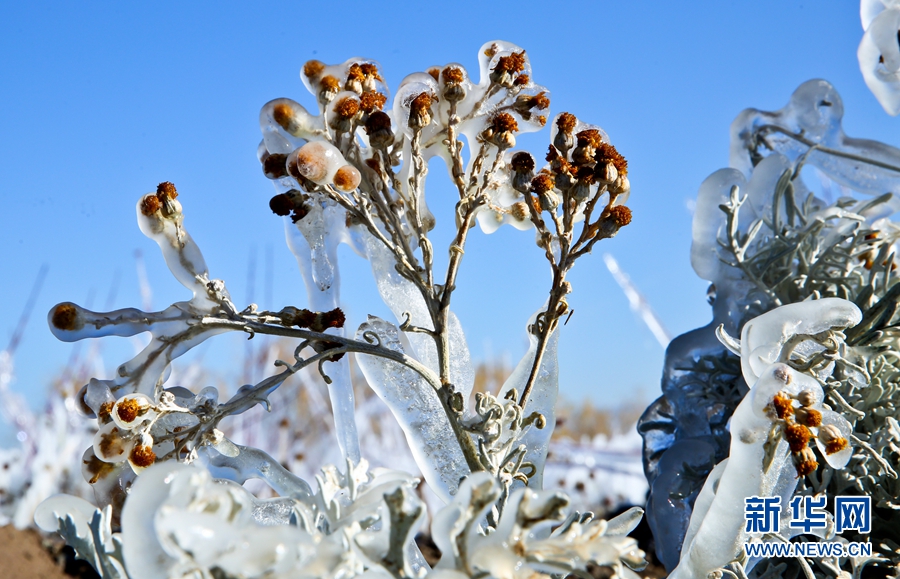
(128,410)
(522,162)
(103,414)
(541,100)
(378,121)
(491,50)
(421,104)
(355,72)
(330,83)
(274,166)
(435,72)
(542,183)
(783,405)
(808,416)
(97,468)
(515,62)
(797,436)
(589,137)
(334,319)
(620,215)
(806,466)
(313,68)
(836,445)
(503,122)
(370,70)
(370,101)
(566,122)
(166,189)
(142,456)
(283,114)
(346,108)
(65,317)
(542,120)
(281,204)
(607,152)
(347,178)
(519,211)
(452,75)
(522,80)
(585,175)
(150,204)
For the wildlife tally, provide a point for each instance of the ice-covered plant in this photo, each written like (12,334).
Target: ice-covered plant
(766,239)
(167,479)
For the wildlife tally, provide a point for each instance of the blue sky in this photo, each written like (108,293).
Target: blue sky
(101,102)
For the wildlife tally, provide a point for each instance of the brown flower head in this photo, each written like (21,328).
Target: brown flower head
(65,317)
(346,108)
(515,62)
(435,72)
(566,122)
(334,318)
(522,80)
(355,72)
(503,122)
(370,70)
(378,128)
(166,189)
(128,409)
(782,405)
(589,137)
(149,205)
(836,445)
(283,114)
(805,463)
(607,152)
(330,83)
(542,183)
(620,215)
(347,178)
(797,436)
(142,456)
(313,68)
(281,204)
(420,110)
(522,162)
(371,101)
(275,166)
(808,416)
(452,75)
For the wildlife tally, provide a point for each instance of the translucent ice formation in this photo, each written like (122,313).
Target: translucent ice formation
(879,51)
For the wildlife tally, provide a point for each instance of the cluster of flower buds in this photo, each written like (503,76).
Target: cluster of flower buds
(161,204)
(315,321)
(582,167)
(799,418)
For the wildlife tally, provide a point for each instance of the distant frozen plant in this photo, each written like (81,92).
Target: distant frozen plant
(168,481)
(765,241)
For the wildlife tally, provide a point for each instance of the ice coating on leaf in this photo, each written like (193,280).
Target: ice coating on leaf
(879,57)
(314,241)
(763,337)
(241,463)
(541,400)
(709,221)
(49,513)
(814,112)
(719,534)
(402,297)
(417,409)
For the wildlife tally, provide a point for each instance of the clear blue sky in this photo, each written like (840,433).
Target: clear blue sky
(100,102)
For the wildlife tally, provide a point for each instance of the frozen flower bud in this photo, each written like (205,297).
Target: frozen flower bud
(453,89)
(166,194)
(355,79)
(806,398)
(67,316)
(565,140)
(329,87)
(141,457)
(612,221)
(805,462)
(378,128)
(150,205)
(581,190)
(275,166)
(501,131)
(507,68)
(831,437)
(783,405)
(313,70)
(605,173)
(372,101)
(316,161)
(543,185)
(347,178)
(797,436)
(588,140)
(345,112)
(370,76)
(286,117)
(522,165)
(519,211)
(281,204)
(525,103)
(420,111)
(620,186)
(808,416)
